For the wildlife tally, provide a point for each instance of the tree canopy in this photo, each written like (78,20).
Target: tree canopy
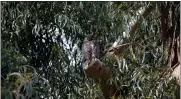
(42,48)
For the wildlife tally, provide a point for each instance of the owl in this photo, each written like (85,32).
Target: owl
(90,49)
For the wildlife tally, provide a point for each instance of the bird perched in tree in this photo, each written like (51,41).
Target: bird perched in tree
(90,50)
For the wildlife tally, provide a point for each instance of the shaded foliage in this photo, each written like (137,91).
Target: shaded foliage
(42,42)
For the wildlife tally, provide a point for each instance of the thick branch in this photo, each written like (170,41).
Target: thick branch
(97,71)
(119,48)
(144,15)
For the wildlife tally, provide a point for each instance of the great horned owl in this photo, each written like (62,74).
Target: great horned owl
(91,49)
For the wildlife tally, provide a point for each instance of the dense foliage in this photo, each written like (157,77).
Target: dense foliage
(42,58)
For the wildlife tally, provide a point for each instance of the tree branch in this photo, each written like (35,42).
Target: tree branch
(135,26)
(97,71)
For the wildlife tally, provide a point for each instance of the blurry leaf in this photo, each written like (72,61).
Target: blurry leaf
(16,74)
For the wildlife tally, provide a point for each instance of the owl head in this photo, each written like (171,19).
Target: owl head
(89,37)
